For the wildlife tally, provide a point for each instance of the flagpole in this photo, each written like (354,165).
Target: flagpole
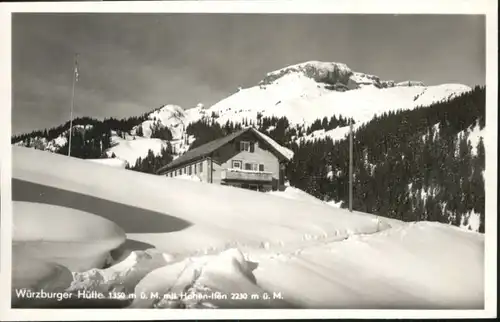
(350,165)
(72,103)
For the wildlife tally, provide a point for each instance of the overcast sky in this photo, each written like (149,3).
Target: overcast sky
(132,63)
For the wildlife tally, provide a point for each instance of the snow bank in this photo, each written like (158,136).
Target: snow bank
(188,177)
(296,194)
(113,162)
(334,203)
(73,238)
(203,282)
(123,276)
(290,253)
(218,216)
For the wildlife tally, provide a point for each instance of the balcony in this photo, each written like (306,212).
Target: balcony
(246,175)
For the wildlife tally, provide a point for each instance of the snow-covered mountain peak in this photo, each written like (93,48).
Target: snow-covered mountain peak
(166,112)
(301,93)
(173,117)
(322,72)
(313,90)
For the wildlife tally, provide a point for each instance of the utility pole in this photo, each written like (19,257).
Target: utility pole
(75,79)
(350,165)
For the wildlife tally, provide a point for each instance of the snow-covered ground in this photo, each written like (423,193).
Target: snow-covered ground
(113,162)
(133,147)
(296,194)
(196,245)
(76,239)
(336,134)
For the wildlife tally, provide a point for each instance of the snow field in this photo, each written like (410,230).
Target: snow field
(216,221)
(308,253)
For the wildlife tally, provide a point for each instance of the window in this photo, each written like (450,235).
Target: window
(190,170)
(261,167)
(244,146)
(251,166)
(171,174)
(185,169)
(236,164)
(201,167)
(194,167)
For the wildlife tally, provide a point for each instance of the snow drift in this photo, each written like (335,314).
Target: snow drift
(282,251)
(69,237)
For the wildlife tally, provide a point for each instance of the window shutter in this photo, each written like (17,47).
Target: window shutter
(252,146)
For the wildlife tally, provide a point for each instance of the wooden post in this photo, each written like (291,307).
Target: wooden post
(75,75)
(211,169)
(350,166)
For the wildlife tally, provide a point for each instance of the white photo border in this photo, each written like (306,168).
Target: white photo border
(483,7)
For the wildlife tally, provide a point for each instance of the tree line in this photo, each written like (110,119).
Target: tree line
(410,165)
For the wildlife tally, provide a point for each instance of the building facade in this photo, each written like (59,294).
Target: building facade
(246,159)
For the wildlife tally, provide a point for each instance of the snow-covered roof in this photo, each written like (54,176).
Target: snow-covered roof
(207,148)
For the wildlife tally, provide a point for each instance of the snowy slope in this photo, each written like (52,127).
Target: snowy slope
(336,134)
(302,101)
(133,147)
(308,254)
(303,93)
(173,117)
